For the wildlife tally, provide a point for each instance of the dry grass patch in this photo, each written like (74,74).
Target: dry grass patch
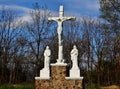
(111,87)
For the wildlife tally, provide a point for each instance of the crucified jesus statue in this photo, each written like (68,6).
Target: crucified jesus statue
(60,21)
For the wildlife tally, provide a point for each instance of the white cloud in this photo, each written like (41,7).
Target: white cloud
(24,18)
(72,8)
(24,10)
(77,7)
(94,6)
(25,14)
(15,7)
(81,7)
(85,5)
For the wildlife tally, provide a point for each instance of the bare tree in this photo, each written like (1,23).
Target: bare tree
(38,30)
(9,30)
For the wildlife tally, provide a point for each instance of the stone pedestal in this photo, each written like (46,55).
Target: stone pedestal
(58,79)
(75,73)
(42,83)
(73,83)
(58,74)
(45,73)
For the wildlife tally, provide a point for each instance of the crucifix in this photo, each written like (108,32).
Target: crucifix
(60,21)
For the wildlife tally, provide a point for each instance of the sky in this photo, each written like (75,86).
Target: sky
(71,7)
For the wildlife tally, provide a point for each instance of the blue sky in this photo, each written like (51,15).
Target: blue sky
(71,7)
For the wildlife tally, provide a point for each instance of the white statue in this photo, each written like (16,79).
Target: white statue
(74,55)
(47,54)
(60,21)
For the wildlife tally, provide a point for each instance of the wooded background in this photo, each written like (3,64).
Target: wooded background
(22,44)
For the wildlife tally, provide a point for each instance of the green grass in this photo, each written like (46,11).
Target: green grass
(17,86)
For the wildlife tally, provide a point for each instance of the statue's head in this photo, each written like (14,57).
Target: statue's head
(47,47)
(74,47)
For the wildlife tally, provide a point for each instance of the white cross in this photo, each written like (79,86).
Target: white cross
(60,21)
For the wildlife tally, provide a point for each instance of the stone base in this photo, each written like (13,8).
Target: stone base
(74,84)
(74,73)
(74,78)
(59,64)
(42,78)
(42,84)
(58,79)
(45,73)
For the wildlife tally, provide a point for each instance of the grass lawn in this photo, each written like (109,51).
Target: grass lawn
(17,86)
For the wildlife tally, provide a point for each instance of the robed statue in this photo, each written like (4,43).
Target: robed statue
(74,55)
(47,54)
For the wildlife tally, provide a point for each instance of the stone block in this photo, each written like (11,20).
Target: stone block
(75,73)
(45,73)
(58,79)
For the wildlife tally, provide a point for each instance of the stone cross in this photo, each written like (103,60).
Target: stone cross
(60,21)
